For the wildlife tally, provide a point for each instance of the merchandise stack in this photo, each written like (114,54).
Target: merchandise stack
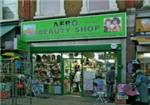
(4,90)
(121,97)
(48,73)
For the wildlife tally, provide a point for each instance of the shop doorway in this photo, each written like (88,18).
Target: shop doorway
(72,67)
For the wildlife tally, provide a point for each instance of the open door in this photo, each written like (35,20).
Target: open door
(72,74)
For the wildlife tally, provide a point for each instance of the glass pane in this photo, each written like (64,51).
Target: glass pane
(50,7)
(9,9)
(95,5)
(9,1)
(47,71)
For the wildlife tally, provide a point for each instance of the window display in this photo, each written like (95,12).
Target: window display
(47,69)
(73,72)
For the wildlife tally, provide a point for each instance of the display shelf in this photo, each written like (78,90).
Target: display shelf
(48,70)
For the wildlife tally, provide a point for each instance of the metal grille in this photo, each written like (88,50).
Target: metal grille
(15,84)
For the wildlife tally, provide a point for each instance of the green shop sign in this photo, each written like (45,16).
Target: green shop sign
(85,27)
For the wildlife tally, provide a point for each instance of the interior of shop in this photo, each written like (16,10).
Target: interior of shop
(56,72)
(144,58)
(145,62)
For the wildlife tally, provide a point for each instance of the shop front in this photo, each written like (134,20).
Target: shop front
(143,43)
(69,53)
(143,53)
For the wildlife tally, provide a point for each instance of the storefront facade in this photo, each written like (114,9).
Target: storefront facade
(143,53)
(142,39)
(93,43)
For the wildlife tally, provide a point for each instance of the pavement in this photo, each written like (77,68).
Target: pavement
(53,100)
(66,100)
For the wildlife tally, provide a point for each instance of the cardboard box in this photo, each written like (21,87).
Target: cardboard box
(120,101)
(50,89)
(122,97)
(57,89)
(4,94)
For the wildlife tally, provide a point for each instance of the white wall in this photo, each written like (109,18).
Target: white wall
(1,10)
(10,9)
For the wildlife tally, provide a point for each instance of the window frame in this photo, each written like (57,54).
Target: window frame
(39,10)
(111,8)
(16,17)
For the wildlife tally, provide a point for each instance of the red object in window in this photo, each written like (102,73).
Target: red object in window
(26,9)
(20,85)
(4,94)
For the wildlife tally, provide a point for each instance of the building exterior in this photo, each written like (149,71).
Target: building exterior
(141,38)
(60,6)
(82,40)
(9,21)
(9,9)
(86,35)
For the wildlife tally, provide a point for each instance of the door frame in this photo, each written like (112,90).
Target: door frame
(81,68)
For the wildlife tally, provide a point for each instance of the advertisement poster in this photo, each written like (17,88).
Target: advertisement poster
(88,84)
(89,75)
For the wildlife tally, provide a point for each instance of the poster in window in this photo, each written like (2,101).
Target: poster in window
(88,84)
(143,25)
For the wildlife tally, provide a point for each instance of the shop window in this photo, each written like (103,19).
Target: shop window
(9,9)
(101,5)
(47,70)
(50,8)
(143,26)
(145,62)
(1,10)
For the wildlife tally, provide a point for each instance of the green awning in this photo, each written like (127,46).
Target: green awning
(5,29)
